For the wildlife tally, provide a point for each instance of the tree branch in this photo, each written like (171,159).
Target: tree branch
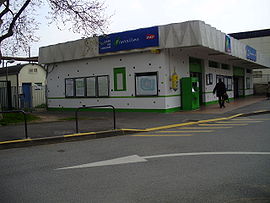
(12,24)
(6,10)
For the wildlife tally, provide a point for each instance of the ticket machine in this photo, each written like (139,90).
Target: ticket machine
(190,93)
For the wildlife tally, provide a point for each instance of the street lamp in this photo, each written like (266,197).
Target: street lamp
(9,61)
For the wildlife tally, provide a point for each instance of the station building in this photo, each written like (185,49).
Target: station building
(160,69)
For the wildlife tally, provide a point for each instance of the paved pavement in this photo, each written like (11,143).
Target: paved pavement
(57,124)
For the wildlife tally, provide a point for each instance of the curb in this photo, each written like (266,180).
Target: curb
(65,138)
(110,133)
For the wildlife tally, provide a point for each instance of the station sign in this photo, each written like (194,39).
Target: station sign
(134,39)
(251,53)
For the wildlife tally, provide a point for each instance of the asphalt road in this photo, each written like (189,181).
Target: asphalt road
(218,162)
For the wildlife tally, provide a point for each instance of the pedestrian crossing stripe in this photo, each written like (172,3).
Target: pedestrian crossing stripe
(186,131)
(198,128)
(240,122)
(232,124)
(162,135)
(251,119)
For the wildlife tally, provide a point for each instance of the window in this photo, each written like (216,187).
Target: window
(69,87)
(225,66)
(146,84)
(257,74)
(38,86)
(227,81)
(103,86)
(96,86)
(249,71)
(79,87)
(91,87)
(119,79)
(209,79)
(248,83)
(213,64)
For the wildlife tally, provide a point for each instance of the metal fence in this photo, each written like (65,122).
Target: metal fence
(21,99)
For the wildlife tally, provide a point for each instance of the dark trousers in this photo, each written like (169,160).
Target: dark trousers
(221,101)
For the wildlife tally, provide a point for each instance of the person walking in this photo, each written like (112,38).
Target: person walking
(220,91)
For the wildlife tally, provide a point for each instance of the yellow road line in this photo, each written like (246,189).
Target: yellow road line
(162,135)
(222,124)
(191,128)
(15,141)
(80,134)
(135,130)
(186,131)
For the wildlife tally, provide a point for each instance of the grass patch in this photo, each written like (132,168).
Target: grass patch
(82,118)
(11,118)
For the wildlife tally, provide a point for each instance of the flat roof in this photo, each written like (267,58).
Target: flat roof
(251,34)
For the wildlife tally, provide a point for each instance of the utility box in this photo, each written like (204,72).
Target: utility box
(190,93)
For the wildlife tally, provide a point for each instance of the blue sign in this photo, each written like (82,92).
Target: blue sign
(251,53)
(135,39)
(228,47)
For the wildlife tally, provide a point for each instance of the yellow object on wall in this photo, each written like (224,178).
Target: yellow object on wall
(175,81)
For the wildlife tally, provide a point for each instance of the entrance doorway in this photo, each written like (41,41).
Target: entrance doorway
(26,97)
(238,82)
(238,86)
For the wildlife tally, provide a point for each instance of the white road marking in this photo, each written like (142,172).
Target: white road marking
(137,159)
(122,160)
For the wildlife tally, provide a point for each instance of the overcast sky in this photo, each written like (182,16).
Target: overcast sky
(226,15)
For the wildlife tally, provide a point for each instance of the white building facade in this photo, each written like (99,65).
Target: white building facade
(135,70)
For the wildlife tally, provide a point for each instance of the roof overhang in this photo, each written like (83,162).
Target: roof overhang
(178,35)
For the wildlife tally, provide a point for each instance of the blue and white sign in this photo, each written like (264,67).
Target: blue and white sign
(251,53)
(135,39)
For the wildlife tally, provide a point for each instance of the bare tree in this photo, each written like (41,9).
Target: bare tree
(18,20)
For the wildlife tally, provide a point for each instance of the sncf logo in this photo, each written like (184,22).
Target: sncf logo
(150,36)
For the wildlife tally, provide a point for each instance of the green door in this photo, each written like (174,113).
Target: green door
(195,69)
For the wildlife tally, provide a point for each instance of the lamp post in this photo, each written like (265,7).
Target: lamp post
(9,61)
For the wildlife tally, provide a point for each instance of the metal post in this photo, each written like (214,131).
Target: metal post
(76,118)
(90,107)
(25,125)
(25,120)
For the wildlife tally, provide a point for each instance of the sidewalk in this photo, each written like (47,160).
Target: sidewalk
(53,123)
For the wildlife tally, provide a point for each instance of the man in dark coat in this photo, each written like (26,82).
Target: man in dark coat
(220,89)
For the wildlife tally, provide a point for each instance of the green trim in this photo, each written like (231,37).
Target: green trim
(176,95)
(238,71)
(120,110)
(195,65)
(121,71)
(212,92)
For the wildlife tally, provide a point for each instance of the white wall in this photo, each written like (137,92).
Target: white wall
(165,63)
(134,63)
(28,75)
